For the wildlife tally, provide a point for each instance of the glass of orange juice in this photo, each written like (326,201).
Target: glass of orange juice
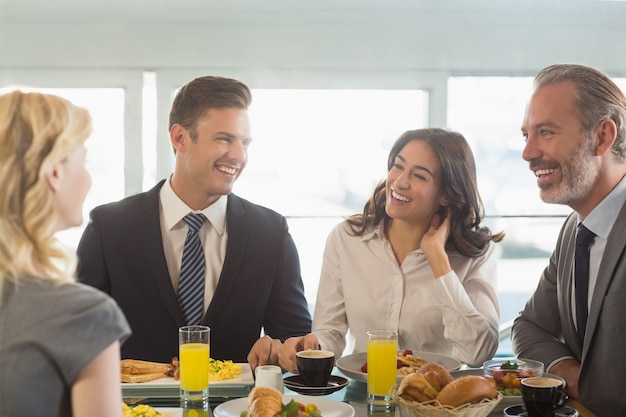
(193,356)
(382,351)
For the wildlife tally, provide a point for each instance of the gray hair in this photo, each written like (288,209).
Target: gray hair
(597,98)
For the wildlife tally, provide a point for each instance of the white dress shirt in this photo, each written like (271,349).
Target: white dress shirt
(213,236)
(362,287)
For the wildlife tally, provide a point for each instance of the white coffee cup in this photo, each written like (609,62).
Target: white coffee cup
(269,376)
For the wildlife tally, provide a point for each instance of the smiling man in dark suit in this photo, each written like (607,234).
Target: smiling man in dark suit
(133,249)
(575,130)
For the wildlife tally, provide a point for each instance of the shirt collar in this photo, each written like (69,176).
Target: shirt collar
(377,232)
(602,218)
(175,209)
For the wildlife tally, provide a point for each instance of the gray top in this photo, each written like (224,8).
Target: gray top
(48,334)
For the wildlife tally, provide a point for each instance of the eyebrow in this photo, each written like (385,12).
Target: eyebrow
(542,125)
(232,136)
(420,167)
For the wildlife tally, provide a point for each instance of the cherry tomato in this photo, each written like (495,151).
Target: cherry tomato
(498,375)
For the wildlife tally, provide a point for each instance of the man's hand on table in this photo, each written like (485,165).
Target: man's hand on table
(569,370)
(264,352)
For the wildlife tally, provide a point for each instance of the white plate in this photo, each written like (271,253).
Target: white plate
(350,365)
(169,387)
(173,412)
(328,408)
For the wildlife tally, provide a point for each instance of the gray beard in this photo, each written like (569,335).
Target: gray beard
(577,179)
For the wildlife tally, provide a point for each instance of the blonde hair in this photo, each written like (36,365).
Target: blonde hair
(36,131)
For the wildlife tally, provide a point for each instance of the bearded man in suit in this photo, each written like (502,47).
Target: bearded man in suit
(132,249)
(576,146)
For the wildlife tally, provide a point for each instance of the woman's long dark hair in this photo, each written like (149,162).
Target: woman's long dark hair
(458,184)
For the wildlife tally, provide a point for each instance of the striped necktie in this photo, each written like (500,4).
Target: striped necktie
(191,283)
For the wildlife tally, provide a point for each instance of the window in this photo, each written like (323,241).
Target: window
(321,152)
(316,155)
(489,112)
(105,147)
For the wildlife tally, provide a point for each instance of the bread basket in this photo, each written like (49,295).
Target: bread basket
(434,409)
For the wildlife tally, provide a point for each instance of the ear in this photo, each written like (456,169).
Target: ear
(606,132)
(177,137)
(444,201)
(54,176)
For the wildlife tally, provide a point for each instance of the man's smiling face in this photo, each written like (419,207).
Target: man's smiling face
(557,150)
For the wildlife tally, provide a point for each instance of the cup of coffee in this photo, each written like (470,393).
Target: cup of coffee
(315,366)
(543,395)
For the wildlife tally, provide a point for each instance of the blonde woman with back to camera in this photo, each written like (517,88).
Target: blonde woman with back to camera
(59,340)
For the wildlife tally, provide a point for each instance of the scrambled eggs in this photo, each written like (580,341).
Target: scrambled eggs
(221,370)
(141,410)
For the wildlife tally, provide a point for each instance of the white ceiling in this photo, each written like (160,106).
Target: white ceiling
(66,11)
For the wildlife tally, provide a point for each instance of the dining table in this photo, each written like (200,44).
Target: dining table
(354,394)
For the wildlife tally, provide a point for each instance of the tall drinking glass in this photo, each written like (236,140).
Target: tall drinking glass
(382,351)
(193,356)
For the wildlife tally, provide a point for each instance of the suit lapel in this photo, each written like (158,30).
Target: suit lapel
(613,253)
(569,245)
(236,247)
(152,244)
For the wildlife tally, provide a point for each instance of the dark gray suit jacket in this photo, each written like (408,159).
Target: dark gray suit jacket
(260,286)
(545,329)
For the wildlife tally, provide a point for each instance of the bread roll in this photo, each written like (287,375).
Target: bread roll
(415,387)
(470,389)
(436,375)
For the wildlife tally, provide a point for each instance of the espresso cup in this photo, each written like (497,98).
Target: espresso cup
(315,366)
(543,395)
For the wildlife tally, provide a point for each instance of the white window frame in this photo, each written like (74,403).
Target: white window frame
(168,81)
(130,81)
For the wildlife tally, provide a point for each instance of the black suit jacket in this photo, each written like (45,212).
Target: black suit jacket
(260,286)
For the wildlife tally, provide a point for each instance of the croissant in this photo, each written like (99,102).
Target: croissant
(264,402)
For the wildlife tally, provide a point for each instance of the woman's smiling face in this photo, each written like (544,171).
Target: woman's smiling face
(413,188)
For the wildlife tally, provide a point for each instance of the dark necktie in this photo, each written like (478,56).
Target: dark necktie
(191,283)
(584,237)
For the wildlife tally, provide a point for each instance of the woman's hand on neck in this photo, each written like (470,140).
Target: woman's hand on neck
(406,238)
(434,246)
